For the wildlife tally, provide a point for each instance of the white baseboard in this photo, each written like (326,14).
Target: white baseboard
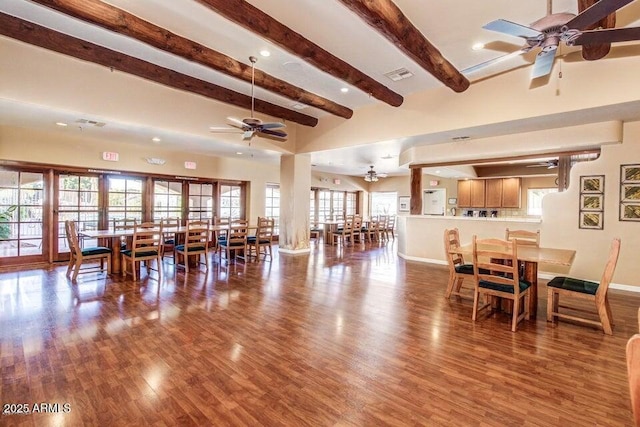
(294,251)
(541,274)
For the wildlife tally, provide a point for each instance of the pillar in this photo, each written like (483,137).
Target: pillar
(295,184)
(416,191)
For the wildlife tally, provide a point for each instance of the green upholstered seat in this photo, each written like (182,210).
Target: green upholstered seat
(95,251)
(191,248)
(575,285)
(464,269)
(140,254)
(503,288)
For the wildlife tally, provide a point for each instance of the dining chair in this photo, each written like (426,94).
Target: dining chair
(458,269)
(372,231)
(383,224)
(169,237)
(196,243)
(585,290)
(391,226)
(235,242)
(496,278)
(146,246)
(356,229)
(633,373)
(222,234)
(121,224)
(523,237)
(315,232)
(342,234)
(263,238)
(78,255)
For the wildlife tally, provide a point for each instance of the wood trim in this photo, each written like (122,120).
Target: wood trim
(591,52)
(37,35)
(388,20)
(253,19)
(127,24)
(503,159)
(416,192)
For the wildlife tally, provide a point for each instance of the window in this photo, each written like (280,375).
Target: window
(337,206)
(324,205)
(272,205)
(230,201)
(167,199)
(312,207)
(200,201)
(21,204)
(352,200)
(384,203)
(534,199)
(78,200)
(125,199)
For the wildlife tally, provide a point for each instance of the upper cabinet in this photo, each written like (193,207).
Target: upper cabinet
(489,193)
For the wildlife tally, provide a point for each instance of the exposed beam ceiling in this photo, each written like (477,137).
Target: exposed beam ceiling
(49,39)
(592,52)
(253,19)
(389,20)
(122,22)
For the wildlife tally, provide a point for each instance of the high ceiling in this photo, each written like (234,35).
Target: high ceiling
(452,27)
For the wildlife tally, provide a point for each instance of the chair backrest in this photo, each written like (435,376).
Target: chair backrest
(146,239)
(124,224)
(265,229)
(383,221)
(237,234)
(523,237)
(609,269)
(391,222)
(221,221)
(374,225)
(490,264)
(197,236)
(170,222)
(451,243)
(72,236)
(347,228)
(357,222)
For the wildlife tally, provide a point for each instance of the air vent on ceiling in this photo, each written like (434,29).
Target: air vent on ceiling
(91,122)
(460,138)
(298,106)
(399,74)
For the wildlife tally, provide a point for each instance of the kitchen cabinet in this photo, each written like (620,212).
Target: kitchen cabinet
(511,192)
(477,193)
(464,194)
(489,193)
(493,196)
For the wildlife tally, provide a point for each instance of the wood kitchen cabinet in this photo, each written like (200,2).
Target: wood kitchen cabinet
(493,196)
(477,193)
(464,194)
(511,192)
(489,193)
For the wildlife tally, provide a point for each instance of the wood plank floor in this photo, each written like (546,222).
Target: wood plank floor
(340,337)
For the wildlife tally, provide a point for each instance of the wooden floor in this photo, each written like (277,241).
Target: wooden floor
(340,337)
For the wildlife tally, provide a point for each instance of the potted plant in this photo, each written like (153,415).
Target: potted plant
(5,217)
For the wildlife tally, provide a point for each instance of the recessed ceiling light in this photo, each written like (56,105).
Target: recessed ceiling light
(437,171)
(344,90)
(61,124)
(265,53)
(239,153)
(478,46)
(156,139)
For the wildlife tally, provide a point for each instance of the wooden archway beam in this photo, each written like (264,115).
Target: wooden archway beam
(388,19)
(591,52)
(122,22)
(38,35)
(253,19)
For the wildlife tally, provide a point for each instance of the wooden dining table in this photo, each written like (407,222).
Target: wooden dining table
(114,238)
(531,256)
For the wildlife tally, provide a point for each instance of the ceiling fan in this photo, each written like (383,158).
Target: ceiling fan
(373,176)
(550,164)
(547,33)
(250,126)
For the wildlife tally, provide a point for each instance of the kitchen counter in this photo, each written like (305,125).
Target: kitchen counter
(473,218)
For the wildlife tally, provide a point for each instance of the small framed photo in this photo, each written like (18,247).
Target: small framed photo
(592,184)
(403,203)
(630,193)
(592,220)
(630,212)
(592,202)
(453,201)
(630,174)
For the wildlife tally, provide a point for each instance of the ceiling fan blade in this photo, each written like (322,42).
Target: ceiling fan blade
(543,64)
(220,129)
(276,133)
(272,125)
(513,29)
(237,122)
(493,61)
(609,36)
(595,13)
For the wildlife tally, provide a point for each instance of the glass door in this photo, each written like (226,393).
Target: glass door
(125,199)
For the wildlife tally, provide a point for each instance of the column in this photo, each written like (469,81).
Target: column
(416,191)
(295,184)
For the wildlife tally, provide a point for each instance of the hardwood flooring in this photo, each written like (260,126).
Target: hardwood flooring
(346,337)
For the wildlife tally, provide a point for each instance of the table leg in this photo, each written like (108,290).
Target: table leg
(116,267)
(531,276)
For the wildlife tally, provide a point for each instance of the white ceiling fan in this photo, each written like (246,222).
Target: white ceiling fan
(250,126)
(373,176)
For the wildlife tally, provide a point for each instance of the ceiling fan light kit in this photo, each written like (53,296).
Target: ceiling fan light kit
(371,175)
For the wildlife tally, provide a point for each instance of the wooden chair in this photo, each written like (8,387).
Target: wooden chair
(372,232)
(315,232)
(196,242)
(236,241)
(383,221)
(523,237)
(78,255)
(583,289)
(633,372)
(356,229)
(342,234)
(496,278)
(146,246)
(458,270)
(120,224)
(169,237)
(391,226)
(263,238)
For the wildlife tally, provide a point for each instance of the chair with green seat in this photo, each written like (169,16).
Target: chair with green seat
(146,246)
(263,238)
(496,273)
(458,270)
(78,255)
(196,243)
(169,237)
(235,242)
(585,290)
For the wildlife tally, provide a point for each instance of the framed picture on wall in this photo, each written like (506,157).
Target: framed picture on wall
(630,193)
(592,184)
(591,202)
(403,203)
(592,220)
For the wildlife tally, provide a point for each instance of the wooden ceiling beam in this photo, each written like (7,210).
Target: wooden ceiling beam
(591,52)
(37,35)
(122,22)
(388,19)
(253,19)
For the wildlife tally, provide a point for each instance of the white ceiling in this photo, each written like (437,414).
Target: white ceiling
(452,26)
